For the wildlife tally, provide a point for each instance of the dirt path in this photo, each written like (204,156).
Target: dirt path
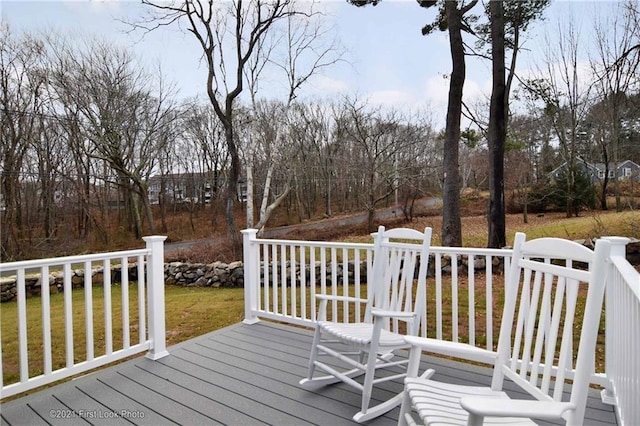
(350,220)
(339,221)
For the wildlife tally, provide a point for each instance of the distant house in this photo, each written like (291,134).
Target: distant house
(625,170)
(181,188)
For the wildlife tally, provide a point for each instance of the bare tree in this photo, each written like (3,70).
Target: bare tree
(271,152)
(228,34)
(615,64)
(21,97)
(378,140)
(319,146)
(122,114)
(300,50)
(565,100)
(204,135)
(50,151)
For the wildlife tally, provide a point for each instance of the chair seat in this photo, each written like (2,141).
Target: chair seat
(439,403)
(360,334)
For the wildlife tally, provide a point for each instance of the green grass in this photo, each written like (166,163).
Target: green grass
(190,312)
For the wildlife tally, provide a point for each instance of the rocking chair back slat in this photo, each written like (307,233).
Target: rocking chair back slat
(547,341)
(542,351)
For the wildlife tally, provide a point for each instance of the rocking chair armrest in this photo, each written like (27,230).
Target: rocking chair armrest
(325,298)
(454,349)
(482,407)
(329,297)
(391,314)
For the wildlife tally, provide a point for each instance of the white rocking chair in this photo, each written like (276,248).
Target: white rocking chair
(536,343)
(395,306)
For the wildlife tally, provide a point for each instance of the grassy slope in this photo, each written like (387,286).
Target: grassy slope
(589,225)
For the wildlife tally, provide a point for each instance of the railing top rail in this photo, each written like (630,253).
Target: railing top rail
(434,249)
(36,263)
(628,273)
(472,250)
(326,244)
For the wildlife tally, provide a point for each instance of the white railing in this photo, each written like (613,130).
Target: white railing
(284,270)
(622,316)
(465,284)
(283,276)
(96,327)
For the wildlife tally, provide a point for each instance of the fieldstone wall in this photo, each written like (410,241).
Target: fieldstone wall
(217,274)
(33,282)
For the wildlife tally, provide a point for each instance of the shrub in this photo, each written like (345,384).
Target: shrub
(582,193)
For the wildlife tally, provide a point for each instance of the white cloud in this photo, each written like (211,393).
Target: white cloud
(474,91)
(324,85)
(437,89)
(95,6)
(436,92)
(395,98)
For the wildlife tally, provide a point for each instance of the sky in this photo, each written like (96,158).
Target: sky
(387,61)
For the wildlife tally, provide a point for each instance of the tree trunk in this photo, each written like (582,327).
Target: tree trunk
(232,187)
(147,209)
(135,211)
(570,190)
(249,177)
(525,207)
(9,240)
(451,224)
(327,195)
(497,130)
(605,182)
(616,150)
(163,204)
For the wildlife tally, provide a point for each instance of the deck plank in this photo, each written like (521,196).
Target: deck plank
(20,414)
(240,375)
(87,407)
(53,412)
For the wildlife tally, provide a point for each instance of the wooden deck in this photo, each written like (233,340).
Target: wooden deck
(240,375)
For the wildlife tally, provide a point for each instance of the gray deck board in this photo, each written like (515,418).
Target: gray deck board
(240,375)
(76,401)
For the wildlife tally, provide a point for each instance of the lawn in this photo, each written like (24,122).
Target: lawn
(190,312)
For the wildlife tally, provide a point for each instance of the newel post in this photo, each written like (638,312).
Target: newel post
(251,275)
(618,249)
(155,297)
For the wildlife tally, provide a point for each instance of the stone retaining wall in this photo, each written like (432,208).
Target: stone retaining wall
(217,274)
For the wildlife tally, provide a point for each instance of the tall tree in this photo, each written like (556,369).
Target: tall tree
(228,34)
(508,20)
(452,18)
(497,128)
